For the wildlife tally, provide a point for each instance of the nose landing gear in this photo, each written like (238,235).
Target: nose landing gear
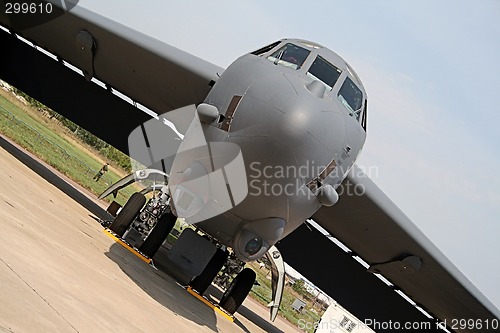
(238,290)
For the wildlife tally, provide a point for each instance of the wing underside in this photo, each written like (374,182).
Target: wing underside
(150,73)
(376,230)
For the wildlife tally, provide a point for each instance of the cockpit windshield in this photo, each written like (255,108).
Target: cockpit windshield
(324,71)
(290,55)
(351,96)
(266,48)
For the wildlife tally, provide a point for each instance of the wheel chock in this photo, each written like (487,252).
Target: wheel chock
(129,247)
(208,302)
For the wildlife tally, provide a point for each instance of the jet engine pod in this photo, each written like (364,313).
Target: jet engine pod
(254,238)
(327,195)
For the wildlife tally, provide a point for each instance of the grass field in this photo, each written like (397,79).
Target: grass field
(262,294)
(54,144)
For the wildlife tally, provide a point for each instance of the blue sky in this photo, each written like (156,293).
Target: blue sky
(431,71)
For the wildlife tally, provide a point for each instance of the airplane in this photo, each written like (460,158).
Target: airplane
(292,105)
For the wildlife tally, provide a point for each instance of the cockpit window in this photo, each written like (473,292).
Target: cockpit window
(266,48)
(290,55)
(324,71)
(351,96)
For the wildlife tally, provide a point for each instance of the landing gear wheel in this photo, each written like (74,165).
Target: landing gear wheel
(128,213)
(238,290)
(203,281)
(157,236)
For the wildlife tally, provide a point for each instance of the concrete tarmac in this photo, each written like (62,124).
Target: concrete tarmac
(60,273)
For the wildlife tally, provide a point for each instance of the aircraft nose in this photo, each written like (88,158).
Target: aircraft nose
(296,123)
(278,109)
(281,113)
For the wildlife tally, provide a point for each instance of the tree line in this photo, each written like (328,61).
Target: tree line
(105,149)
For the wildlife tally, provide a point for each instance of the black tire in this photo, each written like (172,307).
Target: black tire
(203,281)
(128,213)
(158,235)
(238,290)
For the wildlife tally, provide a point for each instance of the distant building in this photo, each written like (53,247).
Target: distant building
(22,99)
(336,319)
(310,288)
(298,305)
(5,86)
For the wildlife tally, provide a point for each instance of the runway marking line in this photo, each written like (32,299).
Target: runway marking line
(129,247)
(216,307)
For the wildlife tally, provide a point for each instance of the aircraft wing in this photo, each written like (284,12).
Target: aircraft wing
(376,230)
(149,72)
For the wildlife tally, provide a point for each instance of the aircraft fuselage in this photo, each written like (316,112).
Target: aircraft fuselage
(298,136)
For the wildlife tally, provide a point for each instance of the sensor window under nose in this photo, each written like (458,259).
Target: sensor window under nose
(254,245)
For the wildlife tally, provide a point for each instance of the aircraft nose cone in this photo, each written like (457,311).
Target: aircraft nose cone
(284,113)
(280,121)
(296,122)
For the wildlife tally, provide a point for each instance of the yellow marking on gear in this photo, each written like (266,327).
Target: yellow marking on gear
(216,307)
(127,246)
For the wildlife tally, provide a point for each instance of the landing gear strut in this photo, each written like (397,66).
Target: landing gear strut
(146,225)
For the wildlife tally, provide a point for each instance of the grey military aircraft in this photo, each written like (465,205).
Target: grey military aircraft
(269,144)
